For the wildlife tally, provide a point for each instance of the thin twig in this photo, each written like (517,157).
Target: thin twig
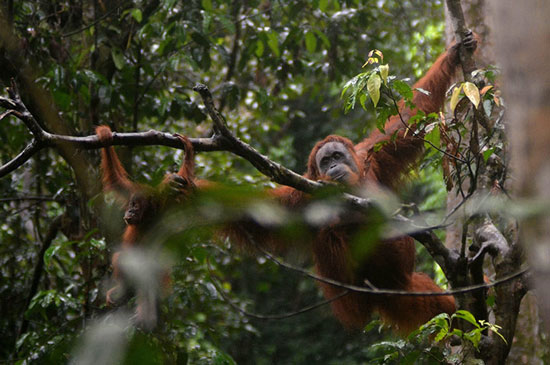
(104,16)
(414,134)
(381,291)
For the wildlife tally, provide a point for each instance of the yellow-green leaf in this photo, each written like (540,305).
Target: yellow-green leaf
(370,61)
(472,92)
(373,87)
(384,71)
(137,15)
(455,97)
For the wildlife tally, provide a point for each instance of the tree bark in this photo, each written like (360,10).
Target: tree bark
(521,33)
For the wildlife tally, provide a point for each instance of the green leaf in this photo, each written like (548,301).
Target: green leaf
(323,38)
(137,15)
(472,92)
(457,332)
(273,43)
(50,252)
(207,5)
(441,334)
(384,71)
(259,48)
(487,153)
(490,300)
(433,136)
(311,42)
(411,358)
(373,87)
(474,336)
(378,146)
(227,23)
(403,88)
(118,58)
(371,325)
(323,5)
(200,39)
(200,253)
(363,100)
(382,115)
(467,316)
(62,99)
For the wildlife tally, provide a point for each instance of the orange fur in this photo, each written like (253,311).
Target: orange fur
(390,265)
(152,201)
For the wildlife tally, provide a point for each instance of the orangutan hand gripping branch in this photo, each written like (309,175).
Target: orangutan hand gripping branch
(390,265)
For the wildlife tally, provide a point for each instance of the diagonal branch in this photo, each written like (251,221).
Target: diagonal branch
(21,158)
(275,171)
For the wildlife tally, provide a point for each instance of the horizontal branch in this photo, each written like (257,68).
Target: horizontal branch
(149,138)
(222,140)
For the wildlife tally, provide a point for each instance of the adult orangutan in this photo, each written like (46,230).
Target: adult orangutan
(390,265)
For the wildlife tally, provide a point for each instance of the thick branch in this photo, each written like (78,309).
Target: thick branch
(275,171)
(223,140)
(424,234)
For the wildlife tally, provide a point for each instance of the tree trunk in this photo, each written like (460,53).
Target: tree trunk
(521,34)
(522,331)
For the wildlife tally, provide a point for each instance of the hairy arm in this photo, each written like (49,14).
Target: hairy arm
(115,177)
(400,145)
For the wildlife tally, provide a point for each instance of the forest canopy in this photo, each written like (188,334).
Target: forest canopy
(234,95)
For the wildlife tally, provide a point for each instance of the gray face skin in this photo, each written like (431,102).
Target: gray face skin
(335,161)
(136,210)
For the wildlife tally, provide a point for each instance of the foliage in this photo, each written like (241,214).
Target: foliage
(277,70)
(430,344)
